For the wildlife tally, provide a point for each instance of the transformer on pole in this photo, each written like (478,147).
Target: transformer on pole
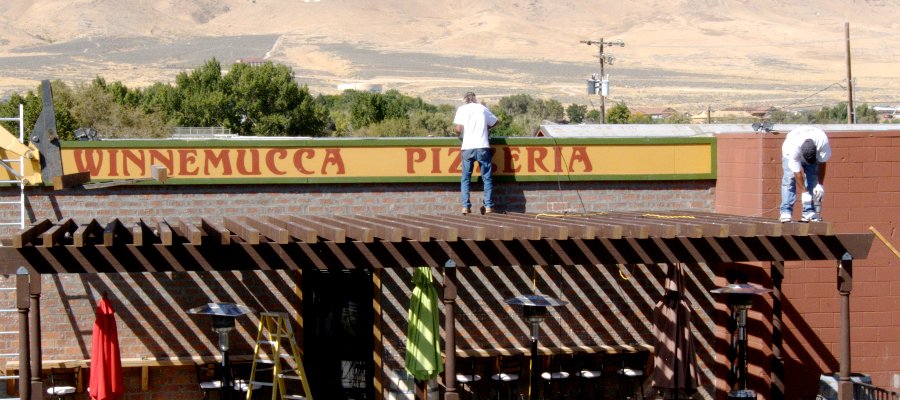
(601,83)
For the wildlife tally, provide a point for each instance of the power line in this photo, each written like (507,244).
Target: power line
(838,84)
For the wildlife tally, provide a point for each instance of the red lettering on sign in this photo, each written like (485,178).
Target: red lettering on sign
(435,160)
(579,153)
(333,157)
(247,166)
(167,160)
(557,159)
(536,157)
(414,156)
(511,159)
(113,167)
(270,160)
(85,161)
(456,164)
(298,160)
(186,160)
(136,158)
(217,159)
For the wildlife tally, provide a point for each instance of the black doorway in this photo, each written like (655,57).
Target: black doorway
(338,333)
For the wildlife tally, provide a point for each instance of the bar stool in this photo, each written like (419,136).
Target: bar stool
(507,372)
(467,377)
(554,374)
(631,376)
(590,370)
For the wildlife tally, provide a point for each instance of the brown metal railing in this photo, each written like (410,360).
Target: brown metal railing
(865,391)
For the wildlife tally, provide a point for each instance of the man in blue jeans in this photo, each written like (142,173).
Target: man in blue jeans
(473,122)
(803,158)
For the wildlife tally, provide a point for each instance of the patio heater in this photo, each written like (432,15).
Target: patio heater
(535,310)
(740,298)
(223,315)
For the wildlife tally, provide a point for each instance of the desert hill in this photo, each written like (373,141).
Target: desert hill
(688,54)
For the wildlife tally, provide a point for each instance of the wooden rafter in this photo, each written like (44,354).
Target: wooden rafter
(296,242)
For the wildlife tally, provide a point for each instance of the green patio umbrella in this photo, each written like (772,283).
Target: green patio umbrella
(423,338)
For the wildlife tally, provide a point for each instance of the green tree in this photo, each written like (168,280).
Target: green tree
(267,102)
(576,113)
(618,114)
(551,110)
(866,114)
(63,101)
(516,104)
(835,114)
(431,123)
(593,116)
(31,108)
(94,106)
(32,104)
(368,109)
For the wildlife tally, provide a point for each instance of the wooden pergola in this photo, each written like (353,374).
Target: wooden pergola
(385,241)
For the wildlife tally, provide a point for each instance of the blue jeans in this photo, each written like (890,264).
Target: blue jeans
(483,156)
(789,186)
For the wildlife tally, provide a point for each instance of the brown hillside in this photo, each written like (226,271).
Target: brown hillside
(687,54)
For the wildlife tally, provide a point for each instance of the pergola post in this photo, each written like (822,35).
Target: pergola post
(22,303)
(34,335)
(845,285)
(450,331)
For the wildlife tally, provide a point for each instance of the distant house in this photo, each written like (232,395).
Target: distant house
(733,114)
(361,87)
(887,113)
(655,113)
(252,61)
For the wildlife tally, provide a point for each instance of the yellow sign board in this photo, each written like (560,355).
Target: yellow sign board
(432,160)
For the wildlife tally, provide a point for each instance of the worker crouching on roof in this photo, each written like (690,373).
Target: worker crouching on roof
(803,156)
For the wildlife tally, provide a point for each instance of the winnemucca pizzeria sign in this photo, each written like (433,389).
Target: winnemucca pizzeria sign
(389,160)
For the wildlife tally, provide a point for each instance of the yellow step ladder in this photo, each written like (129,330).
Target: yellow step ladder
(274,329)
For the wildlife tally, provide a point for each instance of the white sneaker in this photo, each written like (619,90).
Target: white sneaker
(810,216)
(785,217)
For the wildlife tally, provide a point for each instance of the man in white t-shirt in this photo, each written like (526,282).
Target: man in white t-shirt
(473,121)
(804,154)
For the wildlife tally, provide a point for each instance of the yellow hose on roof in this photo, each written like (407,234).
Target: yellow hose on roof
(668,216)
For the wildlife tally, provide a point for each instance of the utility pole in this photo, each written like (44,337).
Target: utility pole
(604,59)
(850,108)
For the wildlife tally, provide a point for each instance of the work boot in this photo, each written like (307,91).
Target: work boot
(466,210)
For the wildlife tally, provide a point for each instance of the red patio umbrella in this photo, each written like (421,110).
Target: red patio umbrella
(675,371)
(106,360)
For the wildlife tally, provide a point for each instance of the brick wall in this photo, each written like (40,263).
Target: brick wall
(214,202)
(862,189)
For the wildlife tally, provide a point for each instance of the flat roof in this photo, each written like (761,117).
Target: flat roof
(683,130)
